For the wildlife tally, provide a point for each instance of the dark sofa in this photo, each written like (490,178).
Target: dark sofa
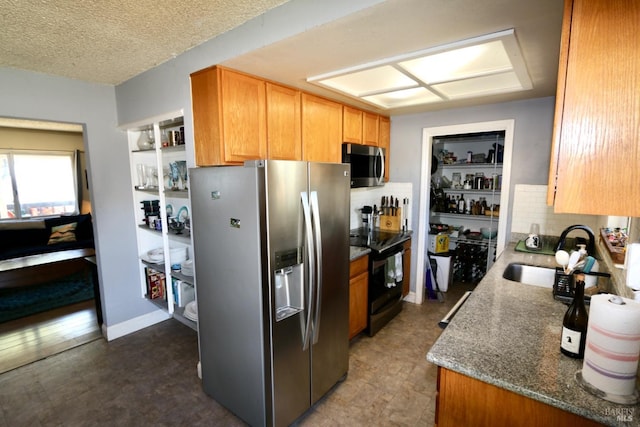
(32,237)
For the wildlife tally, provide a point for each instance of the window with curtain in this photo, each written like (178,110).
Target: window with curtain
(37,184)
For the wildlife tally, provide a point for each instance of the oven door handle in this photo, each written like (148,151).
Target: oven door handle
(379,263)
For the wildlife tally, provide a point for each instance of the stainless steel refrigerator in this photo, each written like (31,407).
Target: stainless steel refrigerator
(271,257)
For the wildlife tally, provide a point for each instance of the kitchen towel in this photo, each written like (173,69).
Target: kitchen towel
(613,345)
(398,262)
(390,272)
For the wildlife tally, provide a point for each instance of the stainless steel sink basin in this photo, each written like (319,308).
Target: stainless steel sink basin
(530,274)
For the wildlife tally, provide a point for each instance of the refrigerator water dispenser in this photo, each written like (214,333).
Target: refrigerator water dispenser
(289,291)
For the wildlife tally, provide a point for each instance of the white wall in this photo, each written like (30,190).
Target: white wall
(102,108)
(531,146)
(38,96)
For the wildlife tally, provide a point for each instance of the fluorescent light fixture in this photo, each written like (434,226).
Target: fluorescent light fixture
(481,66)
(403,98)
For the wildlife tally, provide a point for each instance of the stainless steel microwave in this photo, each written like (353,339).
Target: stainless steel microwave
(367,164)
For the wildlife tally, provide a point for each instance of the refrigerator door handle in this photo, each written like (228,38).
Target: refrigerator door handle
(311,254)
(315,212)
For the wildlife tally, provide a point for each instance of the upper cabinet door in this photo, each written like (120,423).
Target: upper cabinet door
(321,129)
(351,125)
(243,117)
(284,135)
(229,115)
(370,123)
(595,152)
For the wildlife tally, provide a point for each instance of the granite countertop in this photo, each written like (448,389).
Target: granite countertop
(356,252)
(508,334)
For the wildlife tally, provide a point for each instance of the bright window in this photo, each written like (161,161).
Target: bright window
(36,184)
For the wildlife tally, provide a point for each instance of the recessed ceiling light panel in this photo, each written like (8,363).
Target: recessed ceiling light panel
(481,59)
(403,98)
(480,86)
(485,65)
(379,79)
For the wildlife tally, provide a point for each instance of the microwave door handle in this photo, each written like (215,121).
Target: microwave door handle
(315,214)
(311,255)
(381,155)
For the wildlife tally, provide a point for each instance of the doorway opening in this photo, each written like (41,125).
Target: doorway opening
(49,313)
(428,136)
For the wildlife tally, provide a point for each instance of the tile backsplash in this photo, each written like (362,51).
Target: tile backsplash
(370,196)
(530,206)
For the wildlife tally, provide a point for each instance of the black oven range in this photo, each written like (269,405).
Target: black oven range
(385,273)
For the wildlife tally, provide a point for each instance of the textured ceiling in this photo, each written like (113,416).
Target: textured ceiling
(110,41)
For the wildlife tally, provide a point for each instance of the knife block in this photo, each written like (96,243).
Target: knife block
(391,222)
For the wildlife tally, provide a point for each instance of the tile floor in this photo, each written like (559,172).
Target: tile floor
(149,379)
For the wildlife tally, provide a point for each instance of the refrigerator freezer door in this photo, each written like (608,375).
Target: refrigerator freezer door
(330,355)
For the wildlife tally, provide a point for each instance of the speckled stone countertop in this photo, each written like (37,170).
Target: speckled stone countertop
(356,252)
(508,334)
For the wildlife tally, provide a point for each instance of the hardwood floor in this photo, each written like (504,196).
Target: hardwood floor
(37,337)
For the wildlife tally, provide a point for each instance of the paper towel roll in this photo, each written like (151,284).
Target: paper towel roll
(613,345)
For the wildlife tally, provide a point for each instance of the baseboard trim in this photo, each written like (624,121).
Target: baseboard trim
(137,323)
(411,297)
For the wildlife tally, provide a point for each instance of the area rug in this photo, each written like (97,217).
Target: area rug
(22,302)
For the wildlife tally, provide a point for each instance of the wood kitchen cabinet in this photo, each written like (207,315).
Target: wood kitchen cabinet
(465,401)
(370,130)
(406,268)
(361,127)
(284,134)
(238,117)
(358,294)
(229,117)
(351,125)
(595,154)
(384,141)
(321,129)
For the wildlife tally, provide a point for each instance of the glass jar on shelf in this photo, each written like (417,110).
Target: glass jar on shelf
(146,140)
(456,180)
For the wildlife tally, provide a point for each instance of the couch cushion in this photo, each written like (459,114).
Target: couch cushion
(84,228)
(63,233)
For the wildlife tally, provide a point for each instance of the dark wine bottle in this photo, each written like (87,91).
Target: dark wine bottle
(574,325)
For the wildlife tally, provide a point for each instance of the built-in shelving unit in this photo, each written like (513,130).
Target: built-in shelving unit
(470,167)
(162,206)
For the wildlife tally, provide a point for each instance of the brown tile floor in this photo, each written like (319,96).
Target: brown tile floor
(149,378)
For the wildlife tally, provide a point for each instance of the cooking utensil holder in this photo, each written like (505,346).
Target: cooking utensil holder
(563,284)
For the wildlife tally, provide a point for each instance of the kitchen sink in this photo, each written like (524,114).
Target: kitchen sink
(530,274)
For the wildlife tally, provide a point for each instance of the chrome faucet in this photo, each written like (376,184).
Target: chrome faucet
(591,246)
